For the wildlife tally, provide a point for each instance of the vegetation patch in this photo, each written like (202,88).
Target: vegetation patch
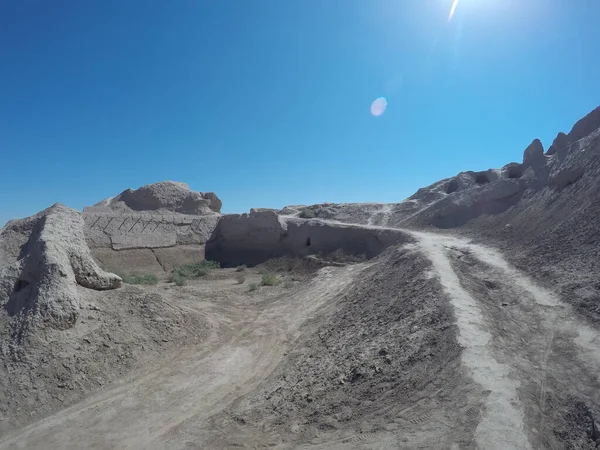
(307,213)
(184,272)
(253,287)
(270,279)
(178,279)
(138,278)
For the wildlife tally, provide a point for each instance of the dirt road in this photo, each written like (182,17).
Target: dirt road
(521,345)
(153,407)
(520,342)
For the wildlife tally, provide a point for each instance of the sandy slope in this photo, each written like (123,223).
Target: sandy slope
(153,407)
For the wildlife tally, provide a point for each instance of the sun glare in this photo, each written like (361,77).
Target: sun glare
(453,10)
(378,106)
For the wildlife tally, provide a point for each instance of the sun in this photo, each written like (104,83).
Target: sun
(453,10)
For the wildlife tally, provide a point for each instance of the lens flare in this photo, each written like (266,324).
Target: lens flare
(453,10)
(378,106)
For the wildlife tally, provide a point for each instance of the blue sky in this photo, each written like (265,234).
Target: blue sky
(267,102)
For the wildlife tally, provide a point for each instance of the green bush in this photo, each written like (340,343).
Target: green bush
(241,268)
(190,271)
(178,279)
(147,279)
(240,279)
(270,279)
(210,264)
(307,213)
(186,271)
(253,287)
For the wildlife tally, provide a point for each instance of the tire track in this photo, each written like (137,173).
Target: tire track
(543,388)
(549,352)
(168,405)
(502,427)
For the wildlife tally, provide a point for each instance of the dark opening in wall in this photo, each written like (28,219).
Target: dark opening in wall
(515,171)
(452,186)
(308,242)
(481,178)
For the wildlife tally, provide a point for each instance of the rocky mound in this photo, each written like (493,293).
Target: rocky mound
(166,196)
(581,129)
(38,283)
(62,319)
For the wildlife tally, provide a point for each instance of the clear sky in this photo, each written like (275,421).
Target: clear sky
(268,102)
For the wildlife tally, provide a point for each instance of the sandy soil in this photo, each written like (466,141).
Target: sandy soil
(150,406)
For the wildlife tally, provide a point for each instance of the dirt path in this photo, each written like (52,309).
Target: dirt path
(520,342)
(381,217)
(502,426)
(155,407)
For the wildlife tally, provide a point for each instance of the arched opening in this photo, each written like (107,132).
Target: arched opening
(514,171)
(481,178)
(452,186)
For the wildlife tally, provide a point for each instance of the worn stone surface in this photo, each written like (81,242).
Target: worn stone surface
(584,127)
(166,196)
(560,142)
(38,283)
(158,216)
(512,170)
(534,154)
(130,242)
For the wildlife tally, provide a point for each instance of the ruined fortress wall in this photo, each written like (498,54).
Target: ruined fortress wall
(256,237)
(150,242)
(146,241)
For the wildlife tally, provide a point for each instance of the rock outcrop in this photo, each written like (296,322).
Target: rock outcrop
(560,141)
(534,154)
(581,129)
(165,197)
(585,126)
(38,283)
(512,170)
